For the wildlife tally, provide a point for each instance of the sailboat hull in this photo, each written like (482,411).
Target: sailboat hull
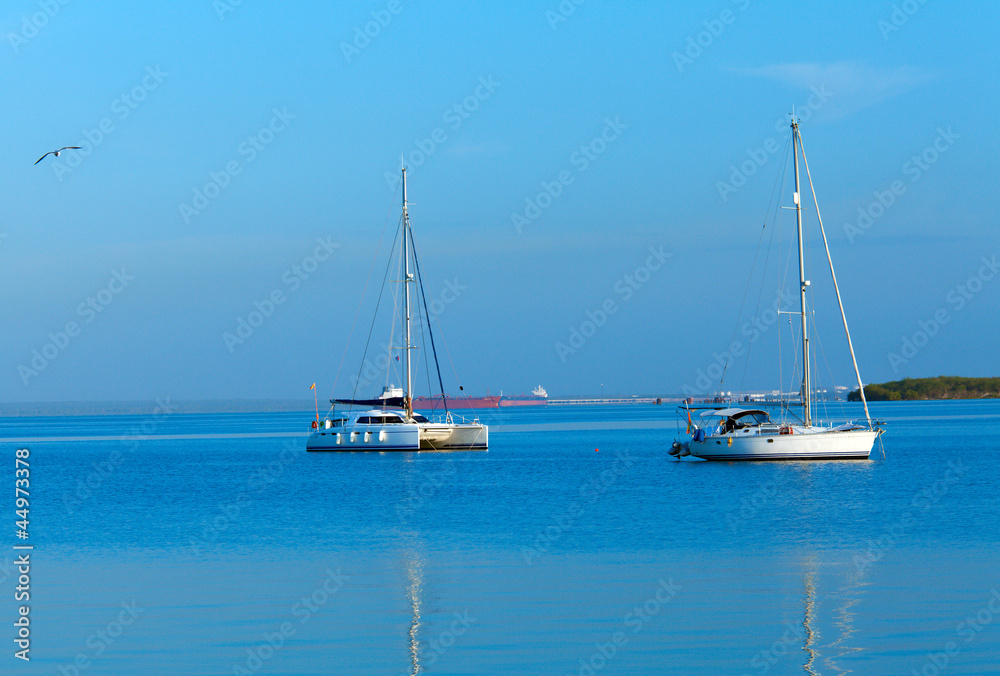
(825,445)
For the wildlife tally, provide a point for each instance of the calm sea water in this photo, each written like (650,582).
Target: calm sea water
(162,547)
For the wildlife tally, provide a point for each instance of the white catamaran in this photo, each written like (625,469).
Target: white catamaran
(389,423)
(729,433)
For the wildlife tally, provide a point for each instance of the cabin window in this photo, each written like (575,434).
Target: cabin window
(378,420)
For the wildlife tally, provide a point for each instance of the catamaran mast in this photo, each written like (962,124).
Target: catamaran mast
(806,385)
(407,278)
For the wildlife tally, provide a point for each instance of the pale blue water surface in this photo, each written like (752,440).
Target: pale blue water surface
(248,555)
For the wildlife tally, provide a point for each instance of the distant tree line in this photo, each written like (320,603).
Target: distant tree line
(942,387)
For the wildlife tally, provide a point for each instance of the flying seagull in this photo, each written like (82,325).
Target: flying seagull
(56,152)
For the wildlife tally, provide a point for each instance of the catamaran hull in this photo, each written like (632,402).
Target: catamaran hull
(833,445)
(417,437)
(379,439)
(445,437)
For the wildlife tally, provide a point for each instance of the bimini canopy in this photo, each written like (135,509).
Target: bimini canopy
(388,402)
(734,413)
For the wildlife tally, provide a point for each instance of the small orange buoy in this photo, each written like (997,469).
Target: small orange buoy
(595,450)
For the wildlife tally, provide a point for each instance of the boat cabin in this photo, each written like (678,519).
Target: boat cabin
(734,419)
(374,417)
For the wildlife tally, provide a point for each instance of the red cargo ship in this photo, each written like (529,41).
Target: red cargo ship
(435,403)
(538,397)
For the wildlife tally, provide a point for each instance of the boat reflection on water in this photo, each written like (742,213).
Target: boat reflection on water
(808,621)
(842,618)
(414,587)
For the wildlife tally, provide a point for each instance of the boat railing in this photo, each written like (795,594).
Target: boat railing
(451,418)
(328,423)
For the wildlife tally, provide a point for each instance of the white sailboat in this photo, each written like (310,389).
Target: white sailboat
(381,427)
(731,433)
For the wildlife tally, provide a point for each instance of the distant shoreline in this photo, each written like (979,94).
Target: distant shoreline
(157,406)
(941,388)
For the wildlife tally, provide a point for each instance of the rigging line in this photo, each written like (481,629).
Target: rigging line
(746,291)
(430,332)
(419,316)
(783,277)
(377,303)
(763,273)
(390,368)
(819,348)
(796,342)
(829,369)
(427,369)
(358,311)
(739,315)
(776,232)
(836,287)
(447,351)
(421,320)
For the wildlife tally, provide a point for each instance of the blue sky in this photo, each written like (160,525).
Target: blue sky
(290,123)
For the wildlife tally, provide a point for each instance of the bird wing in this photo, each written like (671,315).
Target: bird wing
(43,157)
(69,148)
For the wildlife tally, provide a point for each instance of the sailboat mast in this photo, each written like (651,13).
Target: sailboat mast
(836,287)
(408,397)
(806,384)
